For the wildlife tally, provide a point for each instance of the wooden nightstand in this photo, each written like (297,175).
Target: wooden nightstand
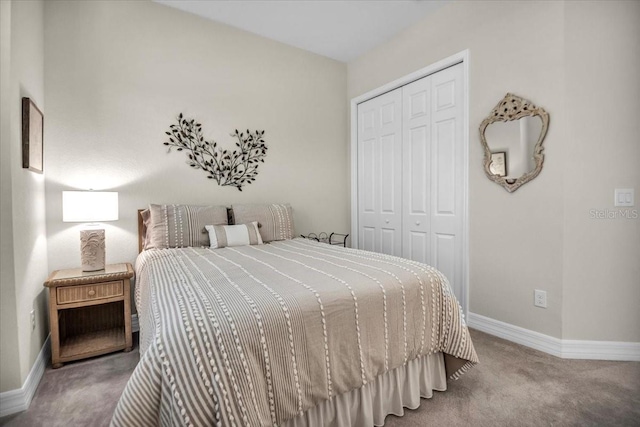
(89,312)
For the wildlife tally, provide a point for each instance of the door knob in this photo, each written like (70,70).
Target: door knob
(417,222)
(387,221)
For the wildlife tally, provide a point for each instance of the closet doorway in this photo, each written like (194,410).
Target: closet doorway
(409,163)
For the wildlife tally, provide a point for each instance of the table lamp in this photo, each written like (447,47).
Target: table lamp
(91,207)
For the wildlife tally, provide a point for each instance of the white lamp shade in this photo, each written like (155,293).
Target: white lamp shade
(89,206)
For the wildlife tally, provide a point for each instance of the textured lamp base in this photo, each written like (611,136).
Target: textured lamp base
(92,249)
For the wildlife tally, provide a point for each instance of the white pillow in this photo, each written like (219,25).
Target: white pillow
(221,236)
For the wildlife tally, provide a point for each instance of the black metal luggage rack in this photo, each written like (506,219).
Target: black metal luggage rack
(330,239)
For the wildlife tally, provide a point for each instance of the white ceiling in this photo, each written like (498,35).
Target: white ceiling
(341,30)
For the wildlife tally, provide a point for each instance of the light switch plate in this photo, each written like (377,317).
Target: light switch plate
(624,197)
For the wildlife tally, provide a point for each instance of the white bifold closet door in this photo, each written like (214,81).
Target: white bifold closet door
(380,174)
(411,171)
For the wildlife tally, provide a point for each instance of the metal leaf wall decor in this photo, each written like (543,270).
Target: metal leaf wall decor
(227,167)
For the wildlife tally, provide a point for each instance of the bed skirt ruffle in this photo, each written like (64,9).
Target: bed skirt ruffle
(388,394)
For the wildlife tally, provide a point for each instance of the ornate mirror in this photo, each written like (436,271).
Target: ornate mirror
(512,137)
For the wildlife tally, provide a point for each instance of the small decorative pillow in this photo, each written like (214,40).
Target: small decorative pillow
(222,236)
(275,221)
(179,226)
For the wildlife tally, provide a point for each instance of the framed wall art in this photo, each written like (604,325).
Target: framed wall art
(32,136)
(499,163)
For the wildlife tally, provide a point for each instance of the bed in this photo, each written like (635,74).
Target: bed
(292,332)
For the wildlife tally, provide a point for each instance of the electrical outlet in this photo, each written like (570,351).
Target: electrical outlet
(33,319)
(540,298)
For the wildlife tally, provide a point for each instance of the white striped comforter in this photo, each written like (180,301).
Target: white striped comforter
(255,335)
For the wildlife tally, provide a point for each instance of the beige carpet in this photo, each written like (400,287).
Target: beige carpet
(518,386)
(513,386)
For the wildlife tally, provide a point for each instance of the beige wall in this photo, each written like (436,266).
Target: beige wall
(24,247)
(601,256)
(9,375)
(118,73)
(579,61)
(515,240)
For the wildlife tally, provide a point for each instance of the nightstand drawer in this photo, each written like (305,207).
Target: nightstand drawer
(71,294)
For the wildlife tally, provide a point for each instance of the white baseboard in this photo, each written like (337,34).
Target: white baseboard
(18,400)
(601,350)
(566,349)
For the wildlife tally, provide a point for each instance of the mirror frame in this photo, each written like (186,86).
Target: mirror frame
(513,107)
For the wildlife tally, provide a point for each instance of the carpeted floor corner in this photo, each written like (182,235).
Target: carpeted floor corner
(83,393)
(512,386)
(516,386)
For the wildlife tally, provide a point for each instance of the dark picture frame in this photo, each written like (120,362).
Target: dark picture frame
(499,163)
(32,136)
